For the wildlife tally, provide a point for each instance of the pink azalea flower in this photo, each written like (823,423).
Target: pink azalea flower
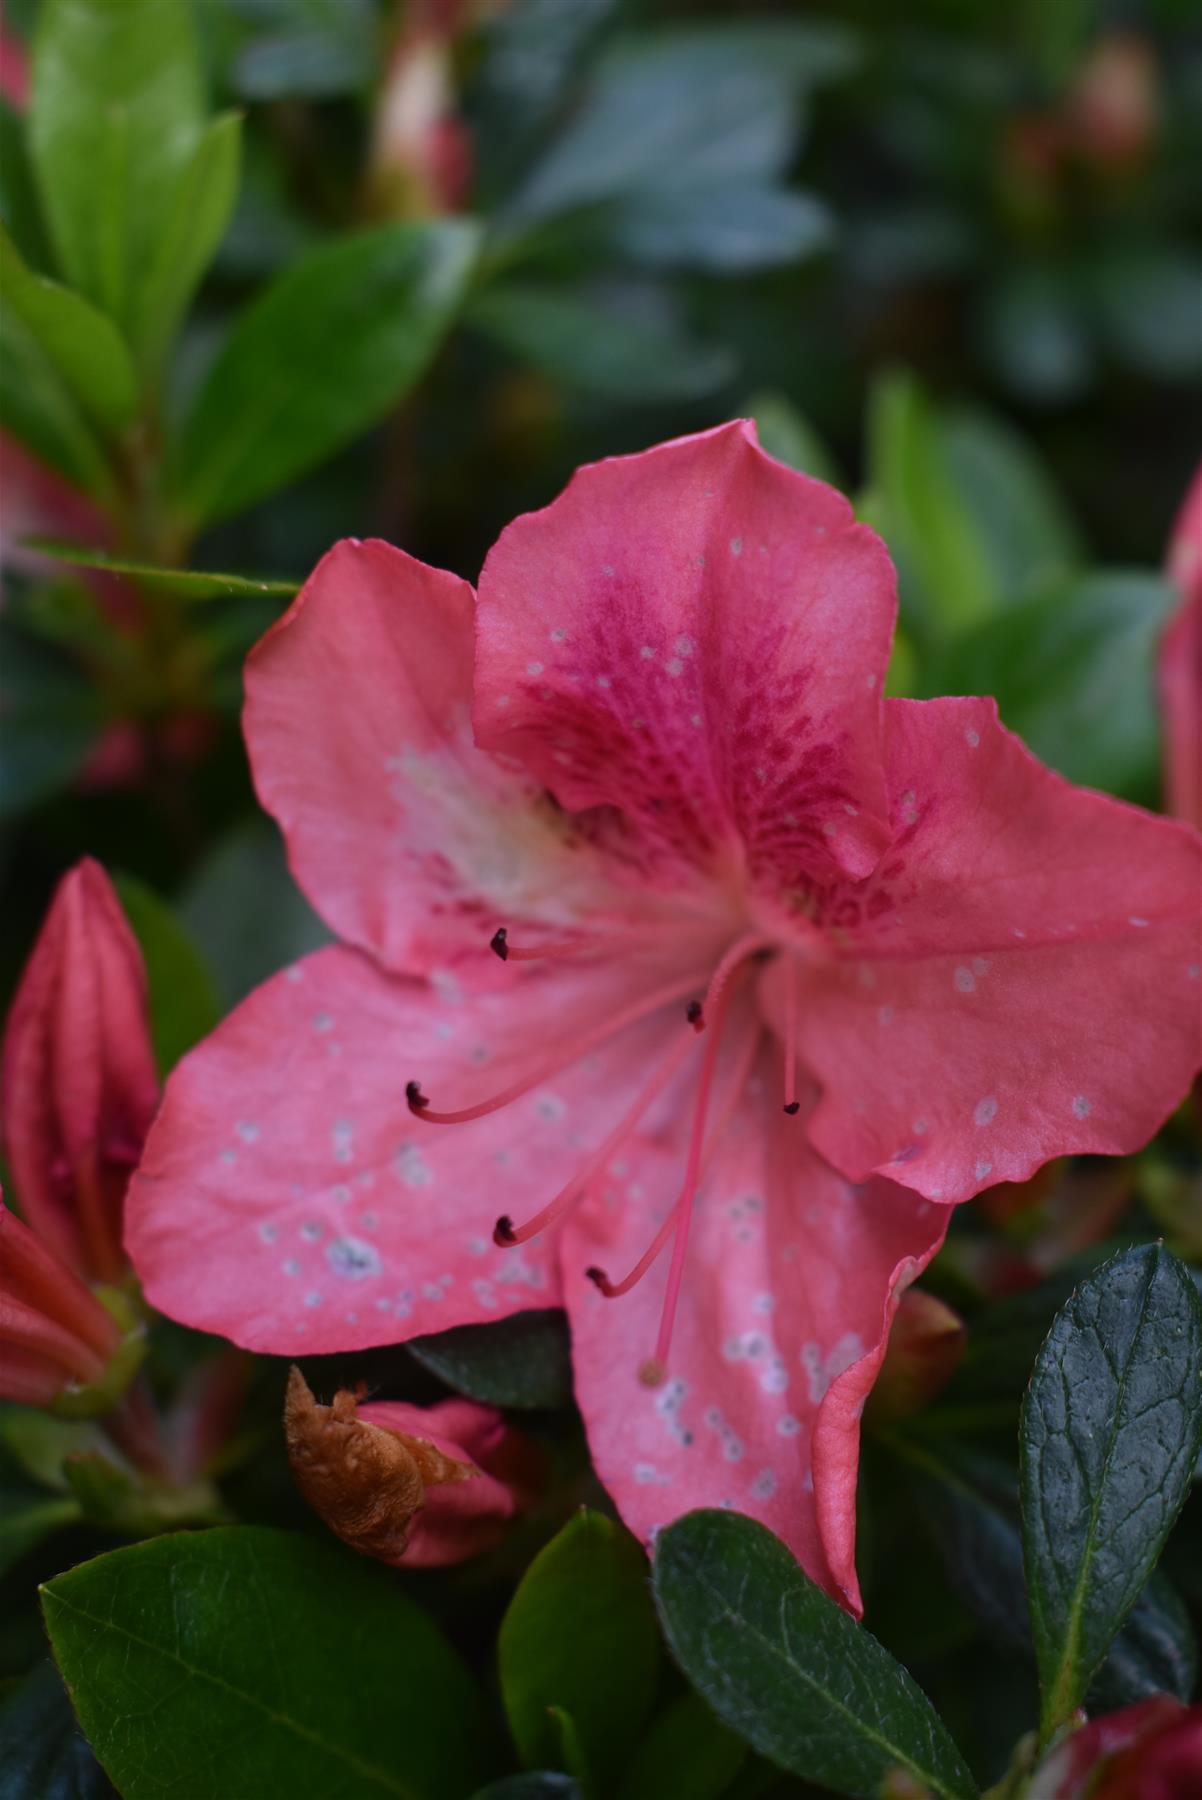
(1151,1751)
(79,1080)
(787,969)
(54,1335)
(1181,664)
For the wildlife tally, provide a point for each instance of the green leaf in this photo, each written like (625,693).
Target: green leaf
(184,1006)
(789,1670)
(43,1754)
(19,206)
(1028,537)
(724,227)
(787,434)
(39,409)
(116,112)
(534,1784)
(945,578)
(624,353)
(327,351)
(200,214)
(27,1518)
(522,1361)
(1155,1653)
(580,1636)
(1073,670)
(83,345)
(1111,1425)
(686,1751)
(308,49)
(243,1660)
(244,911)
(49,720)
(182,584)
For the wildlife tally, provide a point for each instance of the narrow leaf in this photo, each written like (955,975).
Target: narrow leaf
(326,352)
(39,409)
(194,228)
(84,346)
(243,1660)
(579,1639)
(789,1670)
(184,584)
(1111,1427)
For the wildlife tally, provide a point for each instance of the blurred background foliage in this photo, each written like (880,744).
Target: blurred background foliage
(359,268)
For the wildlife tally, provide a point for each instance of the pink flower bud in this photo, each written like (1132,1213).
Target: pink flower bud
(79,1080)
(1181,664)
(54,1334)
(1152,1751)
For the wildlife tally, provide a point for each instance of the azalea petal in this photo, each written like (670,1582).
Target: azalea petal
(408,840)
(1181,664)
(1028,980)
(697,636)
(459,1519)
(790,1287)
(289,1200)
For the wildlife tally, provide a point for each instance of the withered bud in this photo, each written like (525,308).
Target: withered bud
(368,1483)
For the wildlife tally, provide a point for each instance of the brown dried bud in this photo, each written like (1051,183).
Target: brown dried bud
(366,1482)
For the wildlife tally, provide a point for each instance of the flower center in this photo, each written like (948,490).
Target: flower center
(707,1015)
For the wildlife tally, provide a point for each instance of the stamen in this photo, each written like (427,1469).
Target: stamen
(694,1012)
(569,1052)
(792,1104)
(505,1233)
(581,944)
(498,943)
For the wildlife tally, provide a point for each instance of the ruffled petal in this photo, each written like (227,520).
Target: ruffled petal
(697,637)
(791,1284)
(409,841)
(1027,977)
(289,1200)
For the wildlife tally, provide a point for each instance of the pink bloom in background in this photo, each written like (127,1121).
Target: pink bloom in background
(464,1518)
(1152,1751)
(54,1335)
(787,969)
(1181,664)
(79,1080)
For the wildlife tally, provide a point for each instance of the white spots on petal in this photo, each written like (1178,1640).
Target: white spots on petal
(736,546)
(607,569)
(684,645)
(446,985)
(1017,933)
(972,738)
(647,1475)
(775,1378)
(732,1447)
(1082,1107)
(294,972)
(1138,923)
(411,1168)
(980,965)
(965,980)
(1194,971)
(340,1194)
(982,1170)
(870,682)
(502,700)
(853,812)
(822,1370)
(228,1157)
(603,681)
(550,1107)
(557,634)
(787,1425)
(763,1303)
(909,807)
(828,829)
(290,1266)
(369,1221)
(674,666)
(647,652)
(986,1111)
(535,667)
(322,1022)
(352,1258)
(885,1015)
(247,1132)
(485,1293)
(764,1485)
(310,1231)
(866,976)
(268,1232)
(695,719)
(342,1138)
(313,1297)
(920,1127)
(477,1246)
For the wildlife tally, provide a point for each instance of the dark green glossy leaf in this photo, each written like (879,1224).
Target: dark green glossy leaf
(613,347)
(580,1637)
(116,113)
(326,352)
(723,227)
(243,945)
(524,1360)
(1073,671)
(1150,305)
(184,1005)
(243,1660)
(1155,1653)
(43,1753)
(1036,335)
(84,347)
(1111,1426)
(200,213)
(789,1670)
(183,584)
(686,1751)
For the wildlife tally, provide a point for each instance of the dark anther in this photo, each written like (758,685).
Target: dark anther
(503,1232)
(498,943)
(417,1100)
(794,1106)
(694,1012)
(598,1277)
